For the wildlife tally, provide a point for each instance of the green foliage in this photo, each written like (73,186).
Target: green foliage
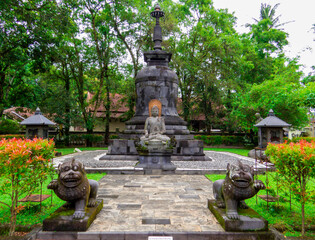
(8,126)
(30,215)
(113,136)
(296,164)
(220,140)
(45,61)
(29,30)
(283,93)
(298,139)
(23,165)
(9,136)
(93,138)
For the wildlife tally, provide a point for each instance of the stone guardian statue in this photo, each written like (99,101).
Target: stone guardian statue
(237,186)
(73,186)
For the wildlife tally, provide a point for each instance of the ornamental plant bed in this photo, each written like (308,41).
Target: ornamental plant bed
(295,163)
(30,215)
(24,164)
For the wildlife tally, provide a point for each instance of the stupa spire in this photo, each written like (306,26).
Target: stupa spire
(157,34)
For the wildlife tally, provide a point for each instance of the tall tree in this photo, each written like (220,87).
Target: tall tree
(27,33)
(269,12)
(130,20)
(103,54)
(207,58)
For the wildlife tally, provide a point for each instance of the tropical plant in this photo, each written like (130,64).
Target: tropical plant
(295,162)
(23,164)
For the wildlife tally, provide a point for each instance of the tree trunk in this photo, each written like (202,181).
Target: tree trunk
(14,199)
(303,220)
(67,109)
(107,109)
(2,82)
(107,118)
(88,140)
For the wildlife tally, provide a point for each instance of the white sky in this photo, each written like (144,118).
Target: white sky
(301,36)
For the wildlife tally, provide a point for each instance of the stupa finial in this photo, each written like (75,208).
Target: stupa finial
(157,35)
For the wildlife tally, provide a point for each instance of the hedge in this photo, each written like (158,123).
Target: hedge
(298,139)
(8,126)
(220,140)
(9,136)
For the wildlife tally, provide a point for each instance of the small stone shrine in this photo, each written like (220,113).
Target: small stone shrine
(270,130)
(155,149)
(37,125)
(156,81)
(230,193)
(81,208)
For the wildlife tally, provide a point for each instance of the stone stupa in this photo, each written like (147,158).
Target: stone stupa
(156,81)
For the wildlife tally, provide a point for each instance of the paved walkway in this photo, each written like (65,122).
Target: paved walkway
(155,203)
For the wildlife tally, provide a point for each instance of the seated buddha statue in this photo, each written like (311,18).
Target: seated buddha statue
(154,127)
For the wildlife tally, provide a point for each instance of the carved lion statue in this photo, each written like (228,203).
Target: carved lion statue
(237,186)
(74,187)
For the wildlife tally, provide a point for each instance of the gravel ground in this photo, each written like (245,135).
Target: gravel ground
(219,160)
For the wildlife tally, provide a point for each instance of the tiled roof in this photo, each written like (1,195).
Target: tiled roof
(37,119)
(272,121)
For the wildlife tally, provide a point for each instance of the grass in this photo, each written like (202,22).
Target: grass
(66,151)
(31,214)
(279,214)
(240,151)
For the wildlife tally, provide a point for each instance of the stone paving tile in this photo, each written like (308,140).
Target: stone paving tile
(181,199)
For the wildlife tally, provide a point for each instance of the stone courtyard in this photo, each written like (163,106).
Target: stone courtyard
(155,203)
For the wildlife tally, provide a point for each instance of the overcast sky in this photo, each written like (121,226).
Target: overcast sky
(301,36)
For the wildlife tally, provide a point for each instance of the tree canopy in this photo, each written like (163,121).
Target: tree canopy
(53,53)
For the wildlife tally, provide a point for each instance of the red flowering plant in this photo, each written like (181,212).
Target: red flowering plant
(296,164)
(24,163)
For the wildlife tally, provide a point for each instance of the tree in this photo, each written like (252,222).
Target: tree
(130,21)
(103,54)
(208,57)
(269,12)
(27,31)
(283,94)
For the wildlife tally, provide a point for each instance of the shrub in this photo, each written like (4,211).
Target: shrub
(8,126)
(113,136)
(298,139)
(296,164)
(23,164)
(93,138)
(220,140)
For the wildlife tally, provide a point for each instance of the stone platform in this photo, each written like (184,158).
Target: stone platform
(249,220)
(139,206)
(217,165)
(62,220)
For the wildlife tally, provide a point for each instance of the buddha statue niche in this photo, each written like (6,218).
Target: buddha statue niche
(154,127)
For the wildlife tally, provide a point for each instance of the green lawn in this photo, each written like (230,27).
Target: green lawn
(65,151)
(240,151)
(279,214)
(31,214)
